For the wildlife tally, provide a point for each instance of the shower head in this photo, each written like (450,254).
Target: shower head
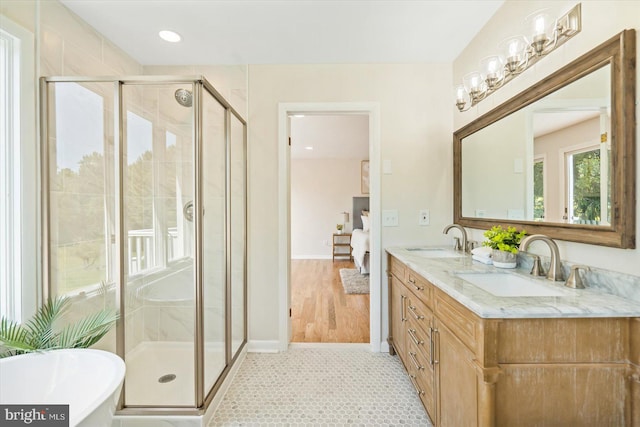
(184,97)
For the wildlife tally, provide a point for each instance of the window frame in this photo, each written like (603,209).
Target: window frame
(20,160)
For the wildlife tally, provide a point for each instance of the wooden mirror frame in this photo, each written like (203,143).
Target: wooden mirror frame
(620,53)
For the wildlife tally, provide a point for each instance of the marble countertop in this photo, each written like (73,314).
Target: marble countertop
(572,303)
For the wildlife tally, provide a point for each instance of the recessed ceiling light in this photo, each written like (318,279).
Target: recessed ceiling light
(170,36)
(308,148)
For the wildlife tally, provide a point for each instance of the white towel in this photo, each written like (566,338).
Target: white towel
(482,251)
(482,259)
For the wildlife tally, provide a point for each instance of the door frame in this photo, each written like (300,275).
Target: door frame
(372,109)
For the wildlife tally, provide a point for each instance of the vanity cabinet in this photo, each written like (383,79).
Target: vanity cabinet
(474,371)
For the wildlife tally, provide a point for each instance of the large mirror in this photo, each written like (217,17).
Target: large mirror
(558,158)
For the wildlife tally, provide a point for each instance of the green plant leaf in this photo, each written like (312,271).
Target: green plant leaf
(40,333)
(14,338)
(40,326)
(87,331)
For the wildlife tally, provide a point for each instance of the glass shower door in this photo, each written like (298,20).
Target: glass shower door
(159,246)
(213,238)
(237,222)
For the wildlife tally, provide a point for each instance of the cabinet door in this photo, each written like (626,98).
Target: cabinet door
(398,316)
(457,381)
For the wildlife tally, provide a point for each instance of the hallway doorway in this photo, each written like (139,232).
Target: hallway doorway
(327,187)
(318,309)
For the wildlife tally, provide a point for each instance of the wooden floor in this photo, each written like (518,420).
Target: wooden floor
(321,311)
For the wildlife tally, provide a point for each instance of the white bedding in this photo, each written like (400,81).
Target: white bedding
(360,245)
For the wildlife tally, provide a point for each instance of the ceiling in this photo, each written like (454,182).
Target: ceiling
(344,136)
(288,31)
(545,122)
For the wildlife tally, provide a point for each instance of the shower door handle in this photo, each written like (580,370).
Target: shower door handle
(187,211)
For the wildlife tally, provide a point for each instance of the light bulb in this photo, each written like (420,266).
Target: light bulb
(539,26)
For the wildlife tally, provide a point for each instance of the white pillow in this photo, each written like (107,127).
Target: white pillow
(365,223)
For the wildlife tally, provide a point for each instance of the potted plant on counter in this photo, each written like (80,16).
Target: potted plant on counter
(505,244)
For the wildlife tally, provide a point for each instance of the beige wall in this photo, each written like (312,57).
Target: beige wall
(490,181)
(601,20)
(415,136)
(320,190)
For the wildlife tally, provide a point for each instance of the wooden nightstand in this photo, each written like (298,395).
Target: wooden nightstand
(342,245)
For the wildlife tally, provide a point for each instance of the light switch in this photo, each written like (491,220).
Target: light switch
(386,167)
(390,218)
(518,166)
(424,217)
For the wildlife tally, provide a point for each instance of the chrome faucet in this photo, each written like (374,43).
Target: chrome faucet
(555,269)
(462,231)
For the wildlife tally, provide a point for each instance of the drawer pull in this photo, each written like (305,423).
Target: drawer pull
(412,356)
(416,315)
(404,310)
(412,280)
(415,385)
(431,345)
(414,338)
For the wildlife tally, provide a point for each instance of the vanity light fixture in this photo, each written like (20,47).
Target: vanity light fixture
(170,36)
(517,53)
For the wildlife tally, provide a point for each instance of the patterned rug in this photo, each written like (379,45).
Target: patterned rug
(353,282)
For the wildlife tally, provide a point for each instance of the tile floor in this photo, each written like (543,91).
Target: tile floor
(321,387)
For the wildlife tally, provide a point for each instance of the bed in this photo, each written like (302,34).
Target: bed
(360,234)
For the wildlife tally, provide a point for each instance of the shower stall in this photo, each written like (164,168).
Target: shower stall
(144,210)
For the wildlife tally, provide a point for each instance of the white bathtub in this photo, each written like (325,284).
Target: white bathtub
(89,381)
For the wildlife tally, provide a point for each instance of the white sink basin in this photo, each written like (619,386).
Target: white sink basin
(89,381)
(434,253)
(508,285)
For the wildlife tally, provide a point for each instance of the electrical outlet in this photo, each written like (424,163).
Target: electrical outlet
(390,218)
(424,217)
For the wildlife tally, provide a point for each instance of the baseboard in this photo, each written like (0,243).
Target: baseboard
(263,346)
(384,347)
(330,345)
(311,257)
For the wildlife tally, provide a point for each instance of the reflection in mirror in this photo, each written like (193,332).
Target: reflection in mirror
(548,162)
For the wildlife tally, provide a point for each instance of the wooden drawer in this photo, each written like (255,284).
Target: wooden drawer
(418,312)
(420,287)
(421,373)
(458,319)
(420,339)
(398,269)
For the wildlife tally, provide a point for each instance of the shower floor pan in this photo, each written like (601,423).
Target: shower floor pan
(162,373)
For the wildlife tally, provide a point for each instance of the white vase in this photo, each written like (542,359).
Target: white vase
(503,259)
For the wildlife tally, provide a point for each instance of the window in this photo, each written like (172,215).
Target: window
(583,180)
(538,189)
(18,187)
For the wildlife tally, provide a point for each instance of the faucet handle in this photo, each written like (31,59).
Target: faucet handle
(575,281)
(456,244)
(537,269)
(471,245)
